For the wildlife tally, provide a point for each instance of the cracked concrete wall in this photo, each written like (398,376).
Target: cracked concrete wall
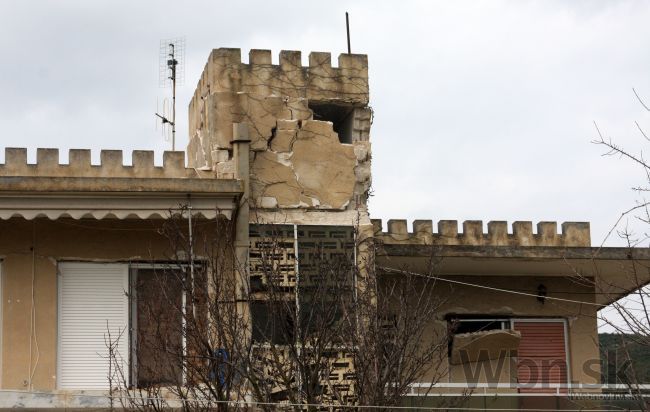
(297,163)
(307,167)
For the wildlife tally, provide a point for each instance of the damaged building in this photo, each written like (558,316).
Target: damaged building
(284,146)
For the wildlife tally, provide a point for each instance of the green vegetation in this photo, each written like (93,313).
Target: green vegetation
(624,358)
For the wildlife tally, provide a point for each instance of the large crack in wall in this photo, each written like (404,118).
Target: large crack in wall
(309,169)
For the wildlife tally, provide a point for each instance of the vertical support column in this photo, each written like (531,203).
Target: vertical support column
(241,153)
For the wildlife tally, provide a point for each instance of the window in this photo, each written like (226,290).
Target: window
(91,302)
(157,295)
(156,318)
(537,345)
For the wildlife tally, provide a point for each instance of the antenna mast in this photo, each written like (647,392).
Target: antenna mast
(171,73)
(347,29)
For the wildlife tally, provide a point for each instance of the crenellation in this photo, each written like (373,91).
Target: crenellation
(225,71)
(523,233)
(472,232)
(143,161)
(448,230)
(397,227)
(111,161)
(260,56)
(356,63)
(320,61)
(422,226)
(47,158)
(111,164)
(290,60)
(574,234)
(547,232)
(497,232)
(79,159)
(226,55)
(423,230)
(173,162)
(15,157)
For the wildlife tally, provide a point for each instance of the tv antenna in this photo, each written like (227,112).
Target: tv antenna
(171,73)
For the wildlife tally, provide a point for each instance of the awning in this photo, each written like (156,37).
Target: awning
(115,198)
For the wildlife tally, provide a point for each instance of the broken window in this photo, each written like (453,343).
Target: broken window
(480,339)
(341,116)
(477,325)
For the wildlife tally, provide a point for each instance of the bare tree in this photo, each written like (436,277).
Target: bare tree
(629,317)
(320,327)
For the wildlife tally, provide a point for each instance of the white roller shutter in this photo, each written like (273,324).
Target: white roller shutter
(92,297)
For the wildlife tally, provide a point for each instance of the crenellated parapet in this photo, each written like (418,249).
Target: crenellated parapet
(111,164)
(573,234)
(319,80)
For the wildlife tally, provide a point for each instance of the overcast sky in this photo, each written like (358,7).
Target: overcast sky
(483,110)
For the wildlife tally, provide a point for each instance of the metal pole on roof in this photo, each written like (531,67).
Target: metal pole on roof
(347,28)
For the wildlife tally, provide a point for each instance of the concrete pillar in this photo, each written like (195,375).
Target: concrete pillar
(241,153)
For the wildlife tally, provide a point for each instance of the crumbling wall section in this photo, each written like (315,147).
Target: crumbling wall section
(307,167)
(297,162)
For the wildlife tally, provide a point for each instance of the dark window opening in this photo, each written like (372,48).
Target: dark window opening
(341,117)
(157,304)
(273,322)
(458,325)
(157,325)
(478,325)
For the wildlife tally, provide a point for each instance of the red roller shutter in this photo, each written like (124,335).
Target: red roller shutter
(541,357)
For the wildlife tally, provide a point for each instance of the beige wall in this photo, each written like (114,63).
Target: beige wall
(581,318)
(136,240)
(52,241)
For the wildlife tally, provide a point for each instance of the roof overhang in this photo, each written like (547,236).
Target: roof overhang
(121,198)
(616,272)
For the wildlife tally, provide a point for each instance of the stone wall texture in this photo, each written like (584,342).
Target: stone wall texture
(296,162)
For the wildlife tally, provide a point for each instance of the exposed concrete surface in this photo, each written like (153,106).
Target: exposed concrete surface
(316,172)
(296,162)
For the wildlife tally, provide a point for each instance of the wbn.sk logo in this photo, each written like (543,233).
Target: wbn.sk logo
(529,372)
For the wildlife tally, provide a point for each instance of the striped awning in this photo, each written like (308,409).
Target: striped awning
(79,198)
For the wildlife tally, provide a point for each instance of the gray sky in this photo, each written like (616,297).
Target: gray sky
(483,110)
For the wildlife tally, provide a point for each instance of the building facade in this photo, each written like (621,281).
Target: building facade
(285,146)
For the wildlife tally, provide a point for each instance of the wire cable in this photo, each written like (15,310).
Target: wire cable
(458,282)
